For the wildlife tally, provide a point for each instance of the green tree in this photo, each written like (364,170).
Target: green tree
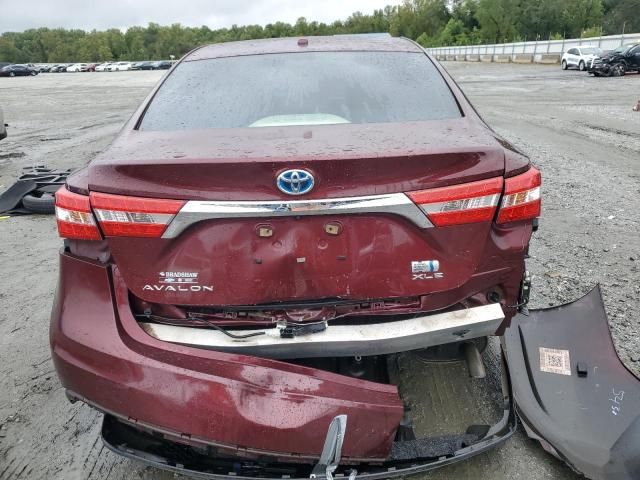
(415,17)
(541,18)
(431,22)
(621,14)
(579,15)
(498,19)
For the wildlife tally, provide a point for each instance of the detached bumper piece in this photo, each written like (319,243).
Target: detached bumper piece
(572,392)
(407,457)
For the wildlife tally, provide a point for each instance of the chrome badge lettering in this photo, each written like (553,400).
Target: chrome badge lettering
(178,282)
(179,288)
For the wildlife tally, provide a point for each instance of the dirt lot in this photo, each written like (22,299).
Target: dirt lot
(579,130)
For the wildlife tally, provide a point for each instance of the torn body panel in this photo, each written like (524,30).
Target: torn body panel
(572,392)
(253,404)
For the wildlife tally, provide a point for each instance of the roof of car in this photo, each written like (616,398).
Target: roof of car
(335,43)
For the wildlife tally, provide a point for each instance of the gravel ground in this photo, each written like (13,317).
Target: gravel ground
(579,130)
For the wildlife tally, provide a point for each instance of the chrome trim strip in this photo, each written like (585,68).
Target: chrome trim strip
(394,203)
(344,340)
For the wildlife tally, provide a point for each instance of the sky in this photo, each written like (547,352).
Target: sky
(19,15)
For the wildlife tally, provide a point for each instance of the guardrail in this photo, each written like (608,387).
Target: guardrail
(539,51)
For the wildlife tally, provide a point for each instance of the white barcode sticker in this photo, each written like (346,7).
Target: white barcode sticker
(553,360)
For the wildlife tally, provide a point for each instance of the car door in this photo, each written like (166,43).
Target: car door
(634,57)
(572,56)
(572,392)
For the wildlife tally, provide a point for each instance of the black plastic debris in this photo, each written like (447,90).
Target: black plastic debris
(33,192)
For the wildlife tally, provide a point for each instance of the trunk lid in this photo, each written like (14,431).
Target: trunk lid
(227,261)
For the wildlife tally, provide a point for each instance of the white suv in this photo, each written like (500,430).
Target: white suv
(119,66)
(77,67)
(580,57)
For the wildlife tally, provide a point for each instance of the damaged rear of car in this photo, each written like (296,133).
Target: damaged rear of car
(276,224)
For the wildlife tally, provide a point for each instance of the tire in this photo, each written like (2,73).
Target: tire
(581,66)
(618,70)
(33,74)
(45,203)
(564,65)
(12,74)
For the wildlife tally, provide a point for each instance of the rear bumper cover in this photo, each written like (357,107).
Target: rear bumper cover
(572,392)
(250,405)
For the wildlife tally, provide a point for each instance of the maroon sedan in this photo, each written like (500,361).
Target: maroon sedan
(276,222)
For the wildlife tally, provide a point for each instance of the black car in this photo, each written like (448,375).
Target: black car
(17,71)
(61,67)
(140,65)
(617,62)
(146,66)
(159,65)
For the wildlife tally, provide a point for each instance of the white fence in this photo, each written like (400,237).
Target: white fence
(536,48)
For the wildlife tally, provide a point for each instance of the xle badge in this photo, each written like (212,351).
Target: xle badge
(426,269)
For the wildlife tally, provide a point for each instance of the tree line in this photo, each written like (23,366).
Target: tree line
(431,22)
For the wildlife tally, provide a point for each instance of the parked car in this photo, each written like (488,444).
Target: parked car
(139,65)
(3,126)
(4,64)
(146,65)
(102,67)
(118,67)
(17,71)
(244,263)
(161,65)
(580,57)
(617,62)
(60,68)
(77,67)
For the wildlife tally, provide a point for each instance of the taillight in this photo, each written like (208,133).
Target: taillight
(521,200)
(466,203)
(122,216)
(74,217)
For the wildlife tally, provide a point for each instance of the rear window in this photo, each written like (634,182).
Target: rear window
(301,89)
